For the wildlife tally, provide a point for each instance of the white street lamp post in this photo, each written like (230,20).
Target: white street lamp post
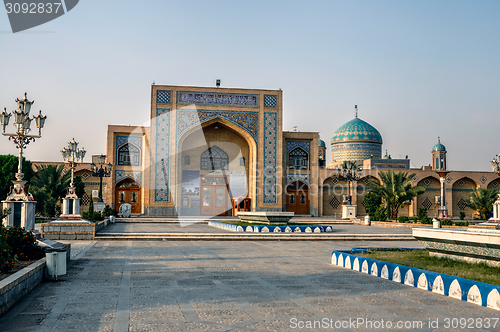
(71,203)
(19,201)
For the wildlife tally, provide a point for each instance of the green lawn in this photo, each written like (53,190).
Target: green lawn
(421,259)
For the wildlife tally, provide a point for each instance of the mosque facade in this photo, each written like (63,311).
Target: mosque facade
(215,151)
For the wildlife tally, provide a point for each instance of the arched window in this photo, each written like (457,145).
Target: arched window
(129,155)
(187,160)
(298,158)
(214,158)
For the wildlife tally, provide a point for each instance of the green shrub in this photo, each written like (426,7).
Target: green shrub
(462,223)
(415,220)
(462,215)
(403,219)
(380,213)
(22,244)
(6,258)
(422,213)
(17,243)
(426,220)
(446,222)
(108,211)
(92,216)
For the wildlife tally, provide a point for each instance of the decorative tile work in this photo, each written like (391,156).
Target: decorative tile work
(136,175)
(494,183)
(163,96)
(356,129)
(306,145)
(462,204)
(270,137)
(187,119)
(134,140)
(85,175)
(427,182)
(218,99)
(85,200)
(335,180)
(482,179)
(427,203)
(415,178)
(449,179)
(270,101)
(461,183)
(334,203)
(305,178)
(162,157)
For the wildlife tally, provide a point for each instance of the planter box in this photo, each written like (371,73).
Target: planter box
(16,286)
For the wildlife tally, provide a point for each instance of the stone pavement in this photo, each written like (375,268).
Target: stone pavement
(229,286)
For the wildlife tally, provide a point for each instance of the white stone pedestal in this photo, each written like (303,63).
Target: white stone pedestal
(348,211)
(22,207)
(71,206)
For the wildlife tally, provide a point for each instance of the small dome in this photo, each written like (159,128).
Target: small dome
(357,130)
(439,146)
(321,143)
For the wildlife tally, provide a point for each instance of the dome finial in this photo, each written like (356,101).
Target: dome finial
(356,109)
(439,140)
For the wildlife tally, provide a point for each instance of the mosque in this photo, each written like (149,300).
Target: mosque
(215,151)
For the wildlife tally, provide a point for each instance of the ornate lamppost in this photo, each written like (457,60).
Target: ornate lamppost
(348,172)
(71,203)
(19,201)
(101,172)
(495,166)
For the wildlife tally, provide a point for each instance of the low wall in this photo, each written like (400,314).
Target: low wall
(75,230)
(474,245)
(16,286)
(271,229)
(459,288)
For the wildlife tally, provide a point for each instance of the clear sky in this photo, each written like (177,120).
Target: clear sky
(416,69)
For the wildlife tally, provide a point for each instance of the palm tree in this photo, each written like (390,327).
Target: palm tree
(48,185)
(395,189)
(52,179)
(481,200)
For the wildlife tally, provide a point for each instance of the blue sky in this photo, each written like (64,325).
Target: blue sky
(416,69)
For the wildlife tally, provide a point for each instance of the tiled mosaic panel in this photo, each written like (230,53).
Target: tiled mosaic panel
(120,175)
(187,119)
(135,140)
(427,204)
(270,163)
(306,145)
(85,200)
(462,204)
(219,99)
(341,152)
(334,203)
(162,157)
(305,178)
(163,96)
(270,101)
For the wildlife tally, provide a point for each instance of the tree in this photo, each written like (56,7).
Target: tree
(49,184)
(395,189)
(372,203)
(8,170)
(481,200)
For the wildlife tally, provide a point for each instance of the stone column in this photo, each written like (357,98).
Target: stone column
(443,211)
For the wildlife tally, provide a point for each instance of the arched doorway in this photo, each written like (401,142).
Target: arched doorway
(297,198)
(333,197)
(128,191)
(214,163)
(461,190)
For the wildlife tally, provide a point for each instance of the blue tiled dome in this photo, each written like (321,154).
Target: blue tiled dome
(357,130)
(321,143)
(439,146)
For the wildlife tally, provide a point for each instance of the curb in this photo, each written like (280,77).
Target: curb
(270,228)
(251,237)
(476,292)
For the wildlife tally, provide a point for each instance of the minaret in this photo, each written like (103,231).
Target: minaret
(439,165)
(439,156)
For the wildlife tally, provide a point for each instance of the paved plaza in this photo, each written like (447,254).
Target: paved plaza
(230,286)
